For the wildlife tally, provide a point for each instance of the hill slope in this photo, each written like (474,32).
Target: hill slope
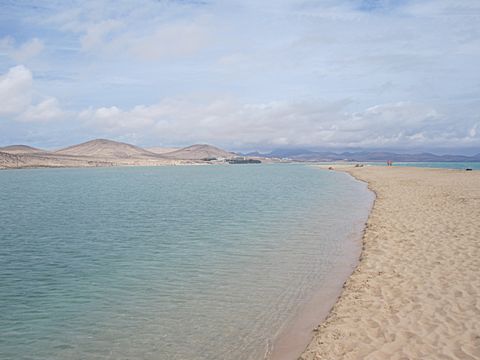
(20,149)
(161,150)
(102,148)
(198,152)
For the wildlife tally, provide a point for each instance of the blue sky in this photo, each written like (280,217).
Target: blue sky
(245,75)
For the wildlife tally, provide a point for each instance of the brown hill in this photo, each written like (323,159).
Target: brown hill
(198,152)
(20,149)
(102,148)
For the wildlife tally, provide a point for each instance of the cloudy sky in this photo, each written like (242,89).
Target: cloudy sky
(333,74)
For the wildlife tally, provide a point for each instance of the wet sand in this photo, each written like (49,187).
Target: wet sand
(416,291)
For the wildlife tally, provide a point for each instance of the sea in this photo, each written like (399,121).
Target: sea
(173,262)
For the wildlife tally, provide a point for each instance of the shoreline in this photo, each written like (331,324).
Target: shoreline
(415,289)
(297,333)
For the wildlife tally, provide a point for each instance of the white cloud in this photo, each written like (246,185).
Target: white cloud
(115,120)
(164,41)
(171,40)
(473,131)
(409,71)
(313,124)
(326,124)
(16,98)
(15,90)
(47,110)
(149,31)
(28,50)
(446,8)
(22,52)
(96,34)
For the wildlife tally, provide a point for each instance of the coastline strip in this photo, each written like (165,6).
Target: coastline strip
(296,334)
(416,291)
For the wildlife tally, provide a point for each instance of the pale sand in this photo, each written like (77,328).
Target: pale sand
(416,291)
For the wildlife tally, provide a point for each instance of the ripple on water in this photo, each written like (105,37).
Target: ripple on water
(170,262)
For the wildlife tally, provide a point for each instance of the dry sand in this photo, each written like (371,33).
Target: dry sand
(416,291)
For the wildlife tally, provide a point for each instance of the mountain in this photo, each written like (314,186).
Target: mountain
(422,157)
(20,149)
(198,152)
(102,152)
(300,155)
(102,148)
(293,152)
(309,155)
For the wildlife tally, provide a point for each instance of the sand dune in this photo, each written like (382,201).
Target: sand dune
(104,148)
(416,291)
(198,152)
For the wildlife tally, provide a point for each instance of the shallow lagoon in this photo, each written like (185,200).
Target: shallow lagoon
(190,262)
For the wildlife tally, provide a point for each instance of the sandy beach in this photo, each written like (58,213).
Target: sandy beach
(416,291)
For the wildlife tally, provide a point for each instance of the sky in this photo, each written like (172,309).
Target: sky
(245,75)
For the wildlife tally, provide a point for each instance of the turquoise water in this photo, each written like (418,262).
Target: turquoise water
(198,262)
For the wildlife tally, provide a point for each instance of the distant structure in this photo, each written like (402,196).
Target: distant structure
(243,160)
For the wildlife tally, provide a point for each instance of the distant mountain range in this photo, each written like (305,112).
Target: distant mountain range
(103,152)
(363,156)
